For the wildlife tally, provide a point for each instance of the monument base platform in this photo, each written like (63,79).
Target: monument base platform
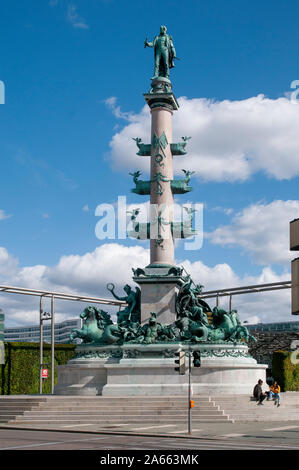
(148,370)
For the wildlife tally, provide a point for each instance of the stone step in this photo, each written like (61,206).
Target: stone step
(102,401)
(101,397)
(120,408)
(7,417)
(277,413)
(269,405)
(241,409)
(122,404)
(121,397)
(116,417)
(139,419)
(19,408)
(284,395)
(20,402)
(75,399)
(103,424)
(261,410)
(249,418)
(116,413)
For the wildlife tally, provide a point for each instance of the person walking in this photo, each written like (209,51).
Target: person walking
(275,393)
(258,393)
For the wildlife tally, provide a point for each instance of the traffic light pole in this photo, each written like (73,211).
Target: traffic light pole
(40,344)
(182,370)
(189,397)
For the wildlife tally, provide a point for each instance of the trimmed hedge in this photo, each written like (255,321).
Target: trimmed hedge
(285,372)
(20,373)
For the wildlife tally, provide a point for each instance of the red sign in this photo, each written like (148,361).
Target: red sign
(45,373)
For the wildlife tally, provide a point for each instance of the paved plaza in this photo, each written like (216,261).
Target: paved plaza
(255,435)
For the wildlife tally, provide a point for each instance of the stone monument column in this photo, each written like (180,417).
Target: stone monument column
(161,198)
(126,359)
(158,288)
(161,279)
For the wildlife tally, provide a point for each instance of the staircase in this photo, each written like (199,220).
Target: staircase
(12,406)
(51,410)
(240,408)
(106,411)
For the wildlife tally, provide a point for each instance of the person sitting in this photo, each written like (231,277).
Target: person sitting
(269,381)
(258,393)
(275,392)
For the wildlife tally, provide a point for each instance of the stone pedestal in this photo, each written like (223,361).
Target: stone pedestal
(159,285)
(85,377)
(158,297)
(148,370)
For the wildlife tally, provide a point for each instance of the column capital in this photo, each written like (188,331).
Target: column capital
(161,95)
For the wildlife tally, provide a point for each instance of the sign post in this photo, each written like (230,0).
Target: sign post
(2,349)
(189,397)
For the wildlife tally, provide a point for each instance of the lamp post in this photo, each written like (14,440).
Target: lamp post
(44,316)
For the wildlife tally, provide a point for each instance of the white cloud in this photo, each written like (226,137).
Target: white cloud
(75,19)
(86,275)
(4,215)
(225,210)
(122,143)
(92,271)
(116,111)
(231,140)
(262,230)
(8,264)
(252,320)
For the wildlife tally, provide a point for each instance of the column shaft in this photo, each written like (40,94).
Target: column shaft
(161,195)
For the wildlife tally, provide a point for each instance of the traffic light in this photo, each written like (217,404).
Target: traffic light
(294,246)
(294,235)
(181,362)
(196,359)
(295,286)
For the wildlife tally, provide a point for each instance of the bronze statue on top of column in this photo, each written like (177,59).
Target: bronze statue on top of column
(164,53)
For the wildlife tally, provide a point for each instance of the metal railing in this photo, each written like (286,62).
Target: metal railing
(59,295)
(44,316)
(253,289)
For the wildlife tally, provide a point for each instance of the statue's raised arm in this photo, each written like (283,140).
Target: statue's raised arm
(148,44)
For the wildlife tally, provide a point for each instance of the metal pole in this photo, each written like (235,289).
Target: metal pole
(52,344)
(230,302)
(189,397)
(40,344)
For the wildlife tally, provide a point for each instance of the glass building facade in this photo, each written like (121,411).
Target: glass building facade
(286,326)
(31,333)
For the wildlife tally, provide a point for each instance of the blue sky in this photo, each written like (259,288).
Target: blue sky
(62,60)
